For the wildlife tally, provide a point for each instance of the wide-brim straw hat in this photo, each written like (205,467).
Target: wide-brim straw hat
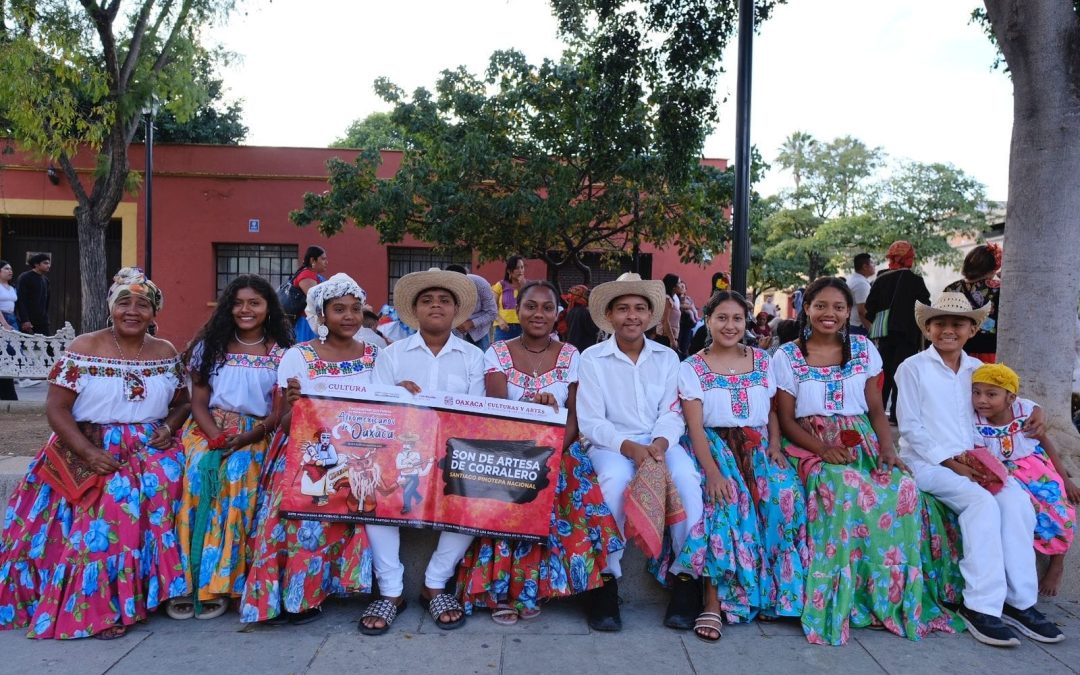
(950,304)
(629,283)
(415,283)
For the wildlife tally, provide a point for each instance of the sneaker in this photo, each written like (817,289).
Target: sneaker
(1032,623)
(604,606)
(685,604)
(987,629)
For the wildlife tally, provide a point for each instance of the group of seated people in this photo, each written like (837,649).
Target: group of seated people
(162,481)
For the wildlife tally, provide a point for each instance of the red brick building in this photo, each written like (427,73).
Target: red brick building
(223,210)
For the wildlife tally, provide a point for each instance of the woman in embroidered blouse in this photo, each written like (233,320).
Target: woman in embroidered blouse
(102,560)
(233,363)
(512,578)
(879,552)
(507,325)
(296,564)
(750,545)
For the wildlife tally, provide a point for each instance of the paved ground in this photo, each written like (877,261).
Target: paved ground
(558,641)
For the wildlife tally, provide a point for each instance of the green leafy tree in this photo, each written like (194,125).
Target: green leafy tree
(541,160)
(1040,43)
(795,156)
(215,122)
(838,176)
(377,131)
(78,74)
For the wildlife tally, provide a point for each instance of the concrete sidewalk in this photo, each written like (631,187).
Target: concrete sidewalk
(559,641)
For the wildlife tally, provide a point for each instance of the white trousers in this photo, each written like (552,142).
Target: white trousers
(615,471)
(385,549)
(998,534)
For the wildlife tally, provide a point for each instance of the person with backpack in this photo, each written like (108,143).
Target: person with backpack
(293,293)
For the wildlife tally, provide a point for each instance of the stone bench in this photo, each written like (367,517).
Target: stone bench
(31,357)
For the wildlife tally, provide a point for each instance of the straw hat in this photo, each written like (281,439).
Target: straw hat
(629,283)
(415,283)
(950,304)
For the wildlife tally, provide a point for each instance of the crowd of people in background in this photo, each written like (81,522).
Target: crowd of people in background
(773,431)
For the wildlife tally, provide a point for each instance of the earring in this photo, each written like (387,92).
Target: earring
(844,334)
(744,350)
(323,331)
(806,332)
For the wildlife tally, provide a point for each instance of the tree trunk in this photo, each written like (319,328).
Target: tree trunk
(1040,40)
(95,286)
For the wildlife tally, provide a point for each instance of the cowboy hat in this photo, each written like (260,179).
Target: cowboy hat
(627,284)
(950,304)
(413,284)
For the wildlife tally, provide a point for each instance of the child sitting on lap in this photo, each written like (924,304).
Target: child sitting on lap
(936,418)
(1000,417)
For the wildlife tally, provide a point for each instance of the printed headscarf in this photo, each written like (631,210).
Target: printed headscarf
(133,281)
(577,296)
(901,255)
(997,375)
(337,286)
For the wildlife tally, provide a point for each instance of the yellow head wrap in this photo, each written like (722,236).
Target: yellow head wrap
(998,375)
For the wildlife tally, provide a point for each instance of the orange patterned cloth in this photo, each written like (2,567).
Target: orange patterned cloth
(652,503)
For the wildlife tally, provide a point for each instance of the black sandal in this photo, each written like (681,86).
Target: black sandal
(380,609)
(441,604)
(307,616)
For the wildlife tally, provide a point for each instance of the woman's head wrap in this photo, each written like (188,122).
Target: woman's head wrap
(900,255)
(997,375)
(337,286)
(133,281)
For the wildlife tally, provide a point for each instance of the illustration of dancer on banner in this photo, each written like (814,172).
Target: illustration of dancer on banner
(411,467)
(319,457)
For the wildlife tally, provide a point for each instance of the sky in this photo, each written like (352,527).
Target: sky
(910,77)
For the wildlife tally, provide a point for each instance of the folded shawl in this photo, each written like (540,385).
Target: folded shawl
(652,503)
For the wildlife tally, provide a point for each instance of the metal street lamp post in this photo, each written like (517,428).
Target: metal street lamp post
(740,240)
(149,112)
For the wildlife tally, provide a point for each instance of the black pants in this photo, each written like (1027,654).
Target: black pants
(893,352)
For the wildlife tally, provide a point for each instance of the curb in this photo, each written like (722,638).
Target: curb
(22,406)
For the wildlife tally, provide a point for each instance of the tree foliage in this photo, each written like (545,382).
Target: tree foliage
(842,207)
(377,131)
(78,74)
(545,160)
(215,122)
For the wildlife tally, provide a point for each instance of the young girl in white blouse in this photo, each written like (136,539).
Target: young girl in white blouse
(233,363)
(750,546)
(294,565)
(513,578)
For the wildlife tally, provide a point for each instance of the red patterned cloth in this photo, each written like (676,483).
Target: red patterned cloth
(652,503)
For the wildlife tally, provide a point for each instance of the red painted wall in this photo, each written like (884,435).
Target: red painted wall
(205,195)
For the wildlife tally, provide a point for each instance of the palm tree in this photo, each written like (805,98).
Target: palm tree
(796,154)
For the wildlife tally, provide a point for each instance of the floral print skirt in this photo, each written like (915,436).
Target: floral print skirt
(754,548)
(293,565)
(223,567)
(880,551)
(1055,517)
(522,574)
(70,571)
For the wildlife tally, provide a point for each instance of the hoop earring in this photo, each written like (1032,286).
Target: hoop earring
(323,331)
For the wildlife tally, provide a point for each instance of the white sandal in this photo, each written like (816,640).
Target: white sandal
(180,608)
(218,606)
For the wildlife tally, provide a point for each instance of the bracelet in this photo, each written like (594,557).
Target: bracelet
(217,443)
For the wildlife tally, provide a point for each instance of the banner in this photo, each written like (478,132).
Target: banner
(380,455)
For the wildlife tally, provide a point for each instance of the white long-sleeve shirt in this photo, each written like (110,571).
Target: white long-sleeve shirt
(458,368)
(934,407)
(618,399)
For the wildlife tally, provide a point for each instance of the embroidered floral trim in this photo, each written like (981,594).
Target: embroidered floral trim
(67,371)
(832,376)
(534,385)
(317,367)
(737,385)
(1003,433)
(270,360)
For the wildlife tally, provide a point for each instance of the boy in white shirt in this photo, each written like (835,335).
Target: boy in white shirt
(936,419)
(628,410)
(432,359)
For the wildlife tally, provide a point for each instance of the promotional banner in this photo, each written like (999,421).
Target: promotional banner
(376,454)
